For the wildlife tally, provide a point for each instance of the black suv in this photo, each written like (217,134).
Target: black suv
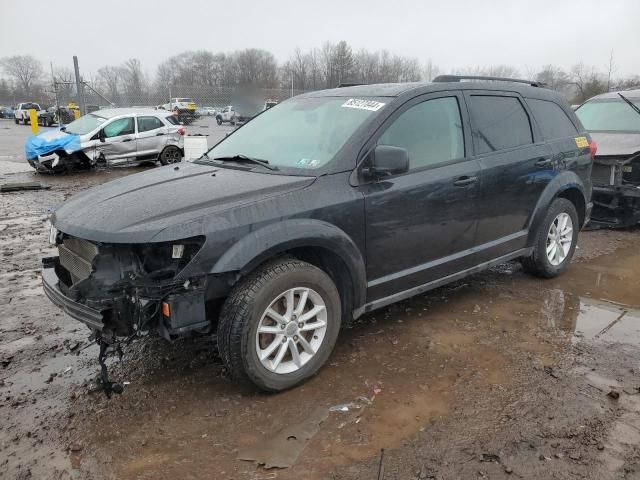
(324,207)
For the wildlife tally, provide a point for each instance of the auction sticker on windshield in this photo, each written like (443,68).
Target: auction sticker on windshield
(363,104)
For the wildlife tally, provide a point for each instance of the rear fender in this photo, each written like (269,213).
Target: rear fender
(561,183)
(275,239)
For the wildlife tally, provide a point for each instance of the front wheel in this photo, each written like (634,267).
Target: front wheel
(219,120)
(279,325)
(555,241)
(170,154)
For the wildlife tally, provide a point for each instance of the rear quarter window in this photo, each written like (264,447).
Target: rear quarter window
(499,123)
(552,120)
(172,120)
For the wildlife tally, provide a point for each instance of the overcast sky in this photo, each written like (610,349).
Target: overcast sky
(453,33)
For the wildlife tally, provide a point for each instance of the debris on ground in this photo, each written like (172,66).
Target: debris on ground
(15,187)
(282,450)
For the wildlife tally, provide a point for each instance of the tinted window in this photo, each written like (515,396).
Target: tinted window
(172,120)
(553,121)
(430,131)
(149,123)
(122,126)
(499,123)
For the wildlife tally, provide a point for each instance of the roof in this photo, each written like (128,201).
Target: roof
(398,89)
(627,93)
(114,112)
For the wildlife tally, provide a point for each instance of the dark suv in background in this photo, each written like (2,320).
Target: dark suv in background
(324,207)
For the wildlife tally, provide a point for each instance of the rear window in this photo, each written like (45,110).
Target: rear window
(553,121)
(499,123)
(610,115)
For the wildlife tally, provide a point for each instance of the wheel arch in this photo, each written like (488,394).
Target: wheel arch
(566,185)
(316,242)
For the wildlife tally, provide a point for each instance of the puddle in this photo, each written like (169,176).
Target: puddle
(606,321)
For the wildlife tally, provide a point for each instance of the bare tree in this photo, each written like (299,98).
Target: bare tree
(110,78)
(430,71)
(25,70)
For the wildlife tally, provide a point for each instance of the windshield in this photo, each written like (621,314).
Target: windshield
(299,133)
(85,124)
(185,100)
(609,115)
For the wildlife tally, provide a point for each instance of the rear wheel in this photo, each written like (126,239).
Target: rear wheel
(555,241)
(219,120)
(279,325)
(16,121)
(170,154)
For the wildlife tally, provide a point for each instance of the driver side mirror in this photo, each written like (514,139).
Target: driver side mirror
(387,160)
(101,135)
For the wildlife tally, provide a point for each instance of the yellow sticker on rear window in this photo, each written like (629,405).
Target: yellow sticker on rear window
(581,142)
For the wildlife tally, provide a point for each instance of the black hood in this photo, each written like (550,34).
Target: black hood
(136,208)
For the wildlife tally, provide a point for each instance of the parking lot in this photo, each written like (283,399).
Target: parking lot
(499,375)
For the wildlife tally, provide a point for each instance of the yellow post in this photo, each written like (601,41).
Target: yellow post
(76,113)
(33,118)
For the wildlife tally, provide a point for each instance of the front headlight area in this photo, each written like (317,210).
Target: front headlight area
(163,261)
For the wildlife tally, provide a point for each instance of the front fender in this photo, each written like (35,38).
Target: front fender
(560,183)
(276,238)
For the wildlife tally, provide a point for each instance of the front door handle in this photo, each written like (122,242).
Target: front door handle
(465,181)
(127,139)
(543,162)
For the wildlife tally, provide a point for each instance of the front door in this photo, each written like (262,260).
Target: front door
(119,140)
(421,225)
(151,137)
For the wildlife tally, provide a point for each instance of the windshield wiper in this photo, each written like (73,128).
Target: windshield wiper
(243,158)
(631,104)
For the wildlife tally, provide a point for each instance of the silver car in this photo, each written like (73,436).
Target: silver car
(110,137)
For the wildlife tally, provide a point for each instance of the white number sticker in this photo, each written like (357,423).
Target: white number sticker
(362,104)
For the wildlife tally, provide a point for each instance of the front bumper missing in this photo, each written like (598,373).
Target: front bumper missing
(616,206)
(89,316)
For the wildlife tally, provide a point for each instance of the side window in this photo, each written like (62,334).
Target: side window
(553,121)
(122,126)
(148,123)
(499,123)
(431,132)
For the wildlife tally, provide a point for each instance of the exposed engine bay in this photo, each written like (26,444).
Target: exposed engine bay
(616,190)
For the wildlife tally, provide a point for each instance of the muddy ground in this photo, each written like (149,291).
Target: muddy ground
(497,376)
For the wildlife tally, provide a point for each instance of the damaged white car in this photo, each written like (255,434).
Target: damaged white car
(109,137)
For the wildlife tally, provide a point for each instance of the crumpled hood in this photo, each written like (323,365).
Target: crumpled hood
(50,141)
(138,207)
(616,144)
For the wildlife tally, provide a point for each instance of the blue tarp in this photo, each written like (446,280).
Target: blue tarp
(51,141)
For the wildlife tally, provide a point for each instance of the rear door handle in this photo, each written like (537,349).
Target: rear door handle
(464,181)
(159,134)
(543,162)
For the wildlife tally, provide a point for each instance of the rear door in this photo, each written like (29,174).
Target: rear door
(120,140)
(516,166)
(420,226)
(151,136)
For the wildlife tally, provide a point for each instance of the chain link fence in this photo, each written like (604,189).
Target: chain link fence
(216,97)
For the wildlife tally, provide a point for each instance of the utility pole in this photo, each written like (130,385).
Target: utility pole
(79,87)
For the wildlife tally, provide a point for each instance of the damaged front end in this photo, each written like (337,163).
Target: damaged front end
(616,190)
(123,290)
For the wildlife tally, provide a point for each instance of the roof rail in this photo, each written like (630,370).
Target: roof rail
(457,78)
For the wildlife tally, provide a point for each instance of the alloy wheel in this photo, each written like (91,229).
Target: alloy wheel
(291,330)
(559,239)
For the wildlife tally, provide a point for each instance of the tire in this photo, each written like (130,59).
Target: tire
(233,121)
(219,120)
(16,121)
(246,309)
(170,154)
(548,265)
